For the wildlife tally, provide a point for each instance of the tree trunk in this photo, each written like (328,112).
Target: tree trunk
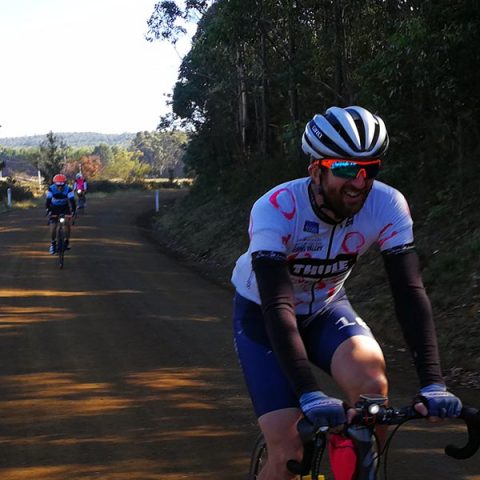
(263,101)
(340,75)
(292,53)
(242,101)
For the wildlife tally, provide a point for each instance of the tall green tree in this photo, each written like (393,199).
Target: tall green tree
(104,152)
(52,156)
(163,151)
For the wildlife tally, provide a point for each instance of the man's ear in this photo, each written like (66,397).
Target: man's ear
(315,171)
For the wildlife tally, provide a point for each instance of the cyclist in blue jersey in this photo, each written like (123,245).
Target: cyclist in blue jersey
(60,199)
(291,309)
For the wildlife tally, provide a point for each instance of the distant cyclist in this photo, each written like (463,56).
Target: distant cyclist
(80,188)
(60,200)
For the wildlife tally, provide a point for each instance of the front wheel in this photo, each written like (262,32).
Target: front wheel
(61,246)
(258,458)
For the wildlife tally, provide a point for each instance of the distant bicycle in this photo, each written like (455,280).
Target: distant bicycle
(61,238)
(81,200)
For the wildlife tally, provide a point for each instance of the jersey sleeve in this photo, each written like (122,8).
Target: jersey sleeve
(396,224)
(272,221)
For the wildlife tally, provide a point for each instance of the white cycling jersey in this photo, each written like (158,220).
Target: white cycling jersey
(320,255)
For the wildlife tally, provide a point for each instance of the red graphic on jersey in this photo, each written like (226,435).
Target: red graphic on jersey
(293,256)
(320,285)
(331,292)
(286,238)
(381,241)
(353,242)
(285,203)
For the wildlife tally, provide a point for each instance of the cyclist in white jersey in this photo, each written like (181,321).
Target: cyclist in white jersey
(291,309)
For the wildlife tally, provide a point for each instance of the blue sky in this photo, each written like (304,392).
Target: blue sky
(82,65)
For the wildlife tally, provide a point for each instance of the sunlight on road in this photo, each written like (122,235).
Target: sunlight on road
(39,251)
(116,242)
(13,229)
(13,293)
(14,316)
(170,378)
(128,470)
(42,404)
(50,396)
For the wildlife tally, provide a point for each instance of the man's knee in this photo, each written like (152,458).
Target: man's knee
(375,383)
(358,366)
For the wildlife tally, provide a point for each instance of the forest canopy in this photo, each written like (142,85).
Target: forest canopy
(258,70)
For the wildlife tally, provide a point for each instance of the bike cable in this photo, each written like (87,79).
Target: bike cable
(384,453)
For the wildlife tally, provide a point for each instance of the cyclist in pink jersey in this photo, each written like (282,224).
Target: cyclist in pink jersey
(80,183)
(291,309)
(80,188)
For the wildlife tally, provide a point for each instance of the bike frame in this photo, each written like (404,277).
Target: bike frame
(61,236)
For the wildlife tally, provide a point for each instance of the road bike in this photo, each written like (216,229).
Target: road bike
(370,411)
(61,237)
(81,200)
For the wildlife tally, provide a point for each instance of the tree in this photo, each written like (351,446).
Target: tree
(52,156)
(89,165)
(165,21)
(125,165)
(104,152)
(163,151)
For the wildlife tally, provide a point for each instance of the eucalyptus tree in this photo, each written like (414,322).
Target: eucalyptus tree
(163,151)
(425,81)
(52,156)
(104,152)
(168,16)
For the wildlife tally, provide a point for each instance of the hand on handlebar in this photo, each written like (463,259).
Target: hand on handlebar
(435,401)
(322,411)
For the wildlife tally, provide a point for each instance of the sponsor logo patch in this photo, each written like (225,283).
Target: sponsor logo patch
(311,227)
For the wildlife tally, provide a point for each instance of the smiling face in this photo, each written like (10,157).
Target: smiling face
(343,197)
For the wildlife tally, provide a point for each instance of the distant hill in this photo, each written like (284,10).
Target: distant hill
(75,139)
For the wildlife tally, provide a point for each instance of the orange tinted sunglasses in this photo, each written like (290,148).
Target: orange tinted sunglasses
(351,169)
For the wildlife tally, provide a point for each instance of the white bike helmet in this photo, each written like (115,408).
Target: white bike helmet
(350,132)
(78,175)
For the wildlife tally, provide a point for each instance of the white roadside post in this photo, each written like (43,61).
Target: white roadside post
(157,201)
(9,197)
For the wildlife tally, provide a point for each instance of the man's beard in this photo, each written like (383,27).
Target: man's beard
(337,200)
